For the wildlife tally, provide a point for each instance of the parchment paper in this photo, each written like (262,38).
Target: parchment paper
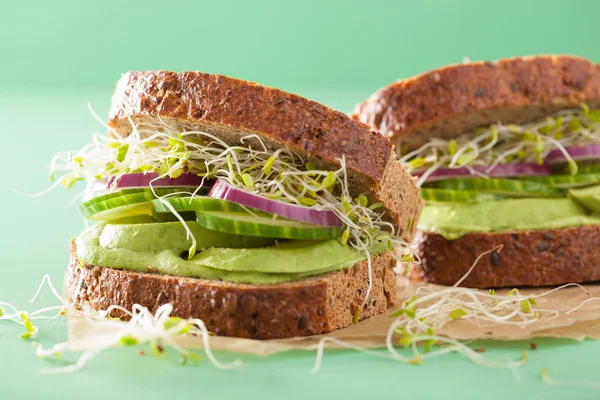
(580,324)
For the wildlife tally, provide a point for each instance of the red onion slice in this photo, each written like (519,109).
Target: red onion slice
(502,170)
(225,191)
(589,152)
(143,180)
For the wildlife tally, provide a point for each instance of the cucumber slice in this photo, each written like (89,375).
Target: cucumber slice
(147,219)
(110,212)
(456,196)
(505,187)
(136,219)
(225,216)
(245,223)
(567,181)
(589,169)
(182,204)
(123,204)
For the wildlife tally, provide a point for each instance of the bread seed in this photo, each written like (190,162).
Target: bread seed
(230,303)
(162,298)
(249,304)
(495,259)
(543,246)
(302,323)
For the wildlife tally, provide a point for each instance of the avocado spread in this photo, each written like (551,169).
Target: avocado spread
(158,248)
(454,220)
(588,197)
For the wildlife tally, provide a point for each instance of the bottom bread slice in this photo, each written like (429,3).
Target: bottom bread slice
(528,258)
(310,306)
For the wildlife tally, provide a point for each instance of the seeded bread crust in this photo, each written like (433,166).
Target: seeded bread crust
(307,307)
(232,108)
(528,258)
(448,101)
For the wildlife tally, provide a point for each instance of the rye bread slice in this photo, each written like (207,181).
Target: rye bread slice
(310,306)
(456,99)
(232,108)
(528,258)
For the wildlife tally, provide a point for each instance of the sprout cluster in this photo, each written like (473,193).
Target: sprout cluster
(143,327)
(501,144)
(428,310)
(9,312)
(415,325)
(281,174)
(156,330)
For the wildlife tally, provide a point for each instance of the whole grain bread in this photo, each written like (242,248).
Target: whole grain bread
(232,108)
(527,258)
(456,99)
(310,306)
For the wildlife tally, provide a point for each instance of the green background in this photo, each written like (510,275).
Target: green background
(56,56)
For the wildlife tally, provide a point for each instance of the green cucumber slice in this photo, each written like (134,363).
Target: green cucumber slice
(566,181)
(154,218)
(456,196)
(123,204)
(505,187)
(110,212)
(135,219)
(589,169)
(225,216)
(200,203)
(245,223)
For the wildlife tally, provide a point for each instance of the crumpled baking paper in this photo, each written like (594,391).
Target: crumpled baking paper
(371,333)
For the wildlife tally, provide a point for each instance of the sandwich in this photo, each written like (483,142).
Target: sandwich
(261,213)
(507,154)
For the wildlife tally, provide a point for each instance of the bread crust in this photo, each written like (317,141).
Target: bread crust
(310,306)
(528,258)
(448,101)
(228,106)
(287,119)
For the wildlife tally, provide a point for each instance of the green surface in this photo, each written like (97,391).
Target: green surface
(58,55)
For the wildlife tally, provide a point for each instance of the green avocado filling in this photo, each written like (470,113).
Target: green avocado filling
(454,220)
(158,247)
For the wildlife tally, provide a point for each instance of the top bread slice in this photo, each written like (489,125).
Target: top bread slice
(456,99)
(232,108)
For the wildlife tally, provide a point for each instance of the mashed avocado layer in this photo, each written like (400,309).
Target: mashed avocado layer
(158,248)
(454,220)
(588,197)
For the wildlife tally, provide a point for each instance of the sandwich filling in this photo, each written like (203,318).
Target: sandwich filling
(136,247)
(540,175)
(190,204)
